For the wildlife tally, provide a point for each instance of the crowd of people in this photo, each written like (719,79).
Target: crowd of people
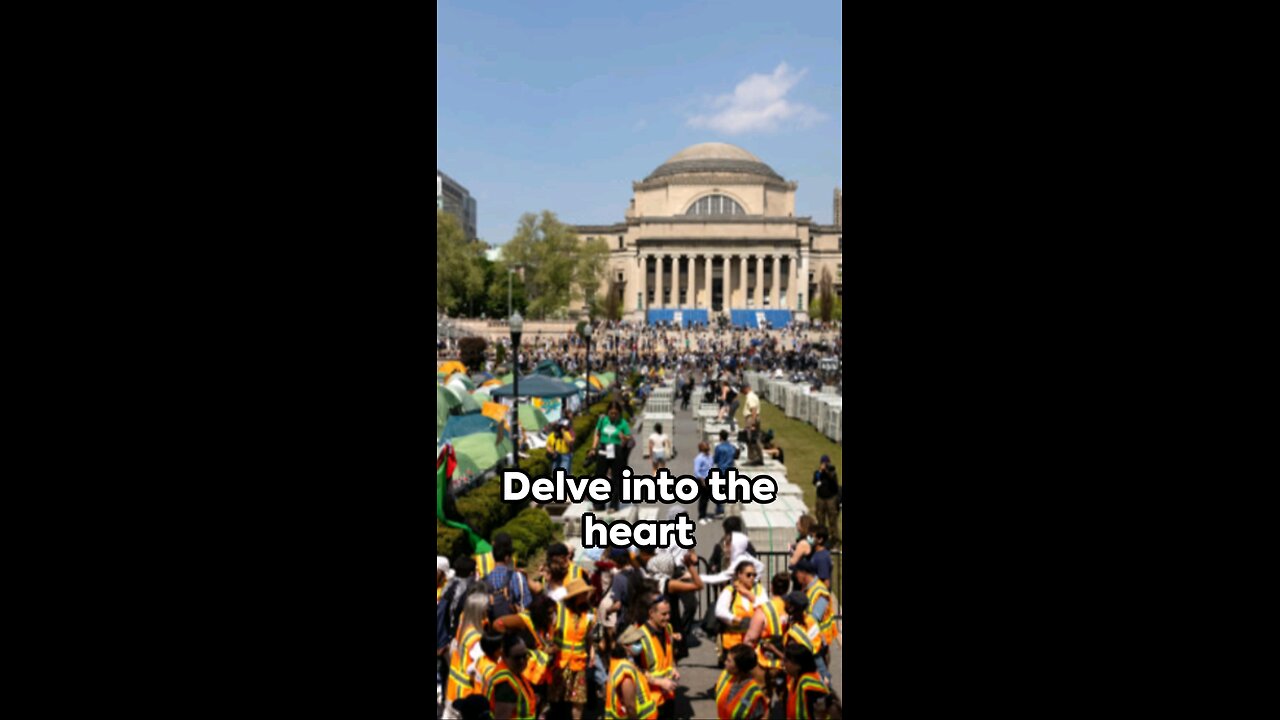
(602,633)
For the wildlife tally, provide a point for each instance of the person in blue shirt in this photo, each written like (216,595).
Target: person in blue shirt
(701,469)
(723,460)
(504,576)
(821,557)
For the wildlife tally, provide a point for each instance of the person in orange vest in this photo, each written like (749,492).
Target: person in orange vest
(559,570)
(767,633)
(510,695)
(736,605)
(491,653)
(569,678)
(807,695)
(627,691)
(466,651)
(802,629)
(657,637)
(821,605)
(739,696)
(536,627)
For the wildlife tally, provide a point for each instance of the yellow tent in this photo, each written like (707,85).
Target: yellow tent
(595,381)
(452,366)
(491,383)
(496,411)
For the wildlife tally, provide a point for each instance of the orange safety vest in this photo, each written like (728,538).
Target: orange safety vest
(737,705)
(741,608)
(775,625)
(571,637)
(460,683)
(798,691)
(526,703)
(485,668)
(646,704)
(828,620)
(658,655)
(536,671)
(807,633)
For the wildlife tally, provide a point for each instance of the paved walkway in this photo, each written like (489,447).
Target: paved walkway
(698,672)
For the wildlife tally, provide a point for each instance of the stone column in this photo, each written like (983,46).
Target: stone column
(759,292)
(740,289)
(657,281)
(803,285)
(675,281)
(777,283)
(691,282)
(710,261)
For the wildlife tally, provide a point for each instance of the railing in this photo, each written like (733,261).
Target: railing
(775,561)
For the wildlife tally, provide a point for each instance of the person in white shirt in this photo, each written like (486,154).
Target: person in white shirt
(659,448)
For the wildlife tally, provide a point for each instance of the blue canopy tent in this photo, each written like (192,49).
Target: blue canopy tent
(463,425)
(536,386)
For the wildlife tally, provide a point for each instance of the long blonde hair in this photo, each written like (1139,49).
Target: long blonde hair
(474,613)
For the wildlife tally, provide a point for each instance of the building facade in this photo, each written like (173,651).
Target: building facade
(454,199)
(712,231)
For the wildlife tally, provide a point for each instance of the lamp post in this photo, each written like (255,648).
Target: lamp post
(586,333)
(517,327)
(510,272)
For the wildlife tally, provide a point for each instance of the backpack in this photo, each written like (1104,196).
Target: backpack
(501,602)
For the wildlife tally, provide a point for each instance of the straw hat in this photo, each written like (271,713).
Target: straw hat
(576,586)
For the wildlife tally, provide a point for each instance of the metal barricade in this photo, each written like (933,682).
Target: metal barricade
(774,563)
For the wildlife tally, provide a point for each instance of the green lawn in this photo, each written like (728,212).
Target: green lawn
(803,446)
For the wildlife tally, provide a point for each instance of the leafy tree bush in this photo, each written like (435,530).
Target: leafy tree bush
(472,351)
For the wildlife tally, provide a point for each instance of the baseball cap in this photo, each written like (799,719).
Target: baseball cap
(824,459)
(806,565)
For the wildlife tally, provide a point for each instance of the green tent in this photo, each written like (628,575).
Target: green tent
(459,402)
(478,453)
(462,381)
(482,396)
(447,398)
(442,416)
(549,368)
(532,419)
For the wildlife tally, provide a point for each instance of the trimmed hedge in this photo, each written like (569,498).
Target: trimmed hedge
(530,531)
(482,507)
(452,542)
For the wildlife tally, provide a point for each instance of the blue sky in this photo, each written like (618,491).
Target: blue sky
(562,105)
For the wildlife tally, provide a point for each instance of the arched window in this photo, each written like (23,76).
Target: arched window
(716,205)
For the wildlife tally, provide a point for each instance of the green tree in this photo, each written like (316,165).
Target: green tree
(555,262)
(826,306)
(611,308)
(826,296)
(593,260)
(458,265)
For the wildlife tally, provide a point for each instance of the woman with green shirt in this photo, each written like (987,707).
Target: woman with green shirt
(609,444)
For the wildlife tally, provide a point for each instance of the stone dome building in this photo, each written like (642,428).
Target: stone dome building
(712,231)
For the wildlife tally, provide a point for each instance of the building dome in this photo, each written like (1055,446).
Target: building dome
(713,158)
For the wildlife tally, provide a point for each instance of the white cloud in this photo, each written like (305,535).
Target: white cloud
(759,104)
